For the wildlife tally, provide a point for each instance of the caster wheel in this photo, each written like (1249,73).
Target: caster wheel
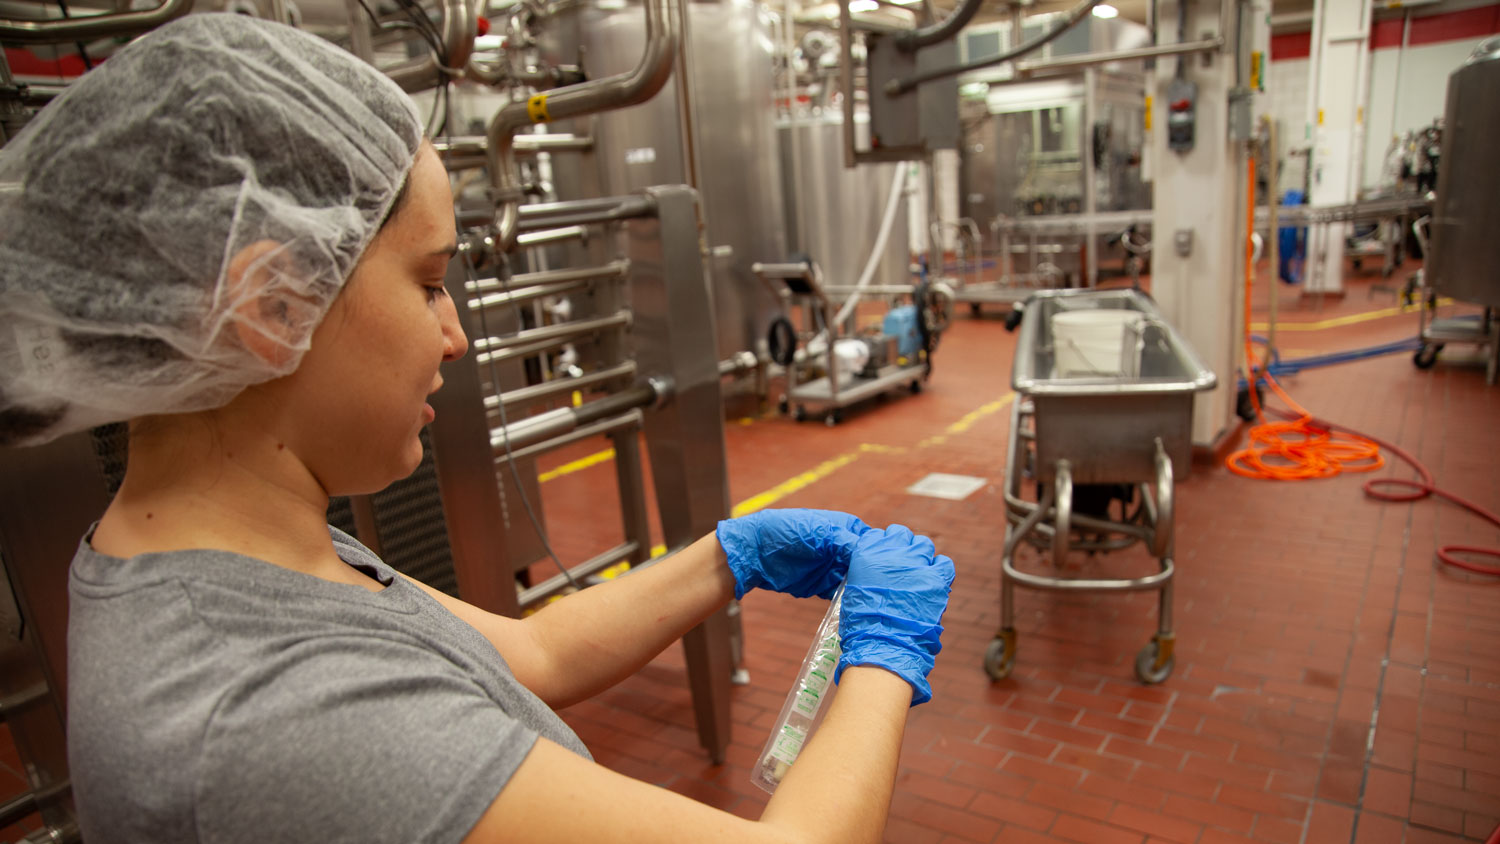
(1426,356)
(1013,320)
(833,418)
(916,387)
(799,413)
(1155,661)
(1242,406)
(1000,656)
(783,407)
(975,310)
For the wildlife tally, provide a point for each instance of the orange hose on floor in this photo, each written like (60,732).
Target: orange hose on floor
(1306,447)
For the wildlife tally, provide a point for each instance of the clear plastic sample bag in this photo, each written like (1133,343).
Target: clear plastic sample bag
(805,705)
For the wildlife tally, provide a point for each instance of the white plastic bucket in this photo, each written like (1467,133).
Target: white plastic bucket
(1098,343)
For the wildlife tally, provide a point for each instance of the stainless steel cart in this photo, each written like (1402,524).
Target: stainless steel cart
(801,284)
(1078,436)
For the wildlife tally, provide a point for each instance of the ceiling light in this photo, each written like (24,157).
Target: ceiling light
(1104,10)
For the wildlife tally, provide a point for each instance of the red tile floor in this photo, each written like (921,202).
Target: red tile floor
(1332,682)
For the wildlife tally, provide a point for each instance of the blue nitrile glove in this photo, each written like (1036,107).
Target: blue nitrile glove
(893,606)
(799,552)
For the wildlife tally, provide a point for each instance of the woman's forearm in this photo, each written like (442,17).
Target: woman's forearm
(601,635)
(840,788)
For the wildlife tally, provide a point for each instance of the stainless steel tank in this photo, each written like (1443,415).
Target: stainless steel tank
(1465,259)
(727,126)
(833,213)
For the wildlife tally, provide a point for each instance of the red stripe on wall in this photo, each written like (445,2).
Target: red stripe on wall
(1385,34)
(1453,26)
(26,63)
(1293,45)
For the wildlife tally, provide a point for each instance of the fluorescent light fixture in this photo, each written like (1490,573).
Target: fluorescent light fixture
(1104,10)
(863,6)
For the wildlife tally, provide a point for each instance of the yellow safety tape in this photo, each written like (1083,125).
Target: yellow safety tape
(970,418)
(1350,319)
(579,464)
(787,487)
(536,108)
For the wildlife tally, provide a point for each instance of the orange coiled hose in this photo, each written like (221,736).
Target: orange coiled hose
(1306,447)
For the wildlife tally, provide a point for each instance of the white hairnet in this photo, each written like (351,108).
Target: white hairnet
(124,202)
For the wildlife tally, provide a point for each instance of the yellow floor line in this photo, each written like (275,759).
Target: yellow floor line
(970,418)
(787,487)
(581,463)
(1350,319)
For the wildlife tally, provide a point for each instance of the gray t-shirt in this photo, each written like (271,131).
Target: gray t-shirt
(214,697)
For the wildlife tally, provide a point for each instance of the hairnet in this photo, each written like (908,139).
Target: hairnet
(124,202)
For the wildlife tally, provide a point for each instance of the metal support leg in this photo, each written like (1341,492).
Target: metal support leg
(685,438)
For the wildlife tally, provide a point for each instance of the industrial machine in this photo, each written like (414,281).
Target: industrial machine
(1051,163)
(1102,423)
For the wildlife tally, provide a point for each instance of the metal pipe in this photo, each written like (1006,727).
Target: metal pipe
(418,74)
(1070,63)
(92,27)
(622,422)
(637,86)
(741,362)
(555,333)
(552,236)
(525,294)
(552,585)
(916,39)
(544,426)
(612,271)
(551,215)
(465,145)
(14,810)
(897,87)
(560,386)
(846,79)
(459,29)
(360,43)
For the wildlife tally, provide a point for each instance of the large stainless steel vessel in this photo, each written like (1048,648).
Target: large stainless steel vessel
(716,132)
(1465,259)
(834,213)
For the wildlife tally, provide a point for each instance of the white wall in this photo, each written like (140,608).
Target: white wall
(1396,106)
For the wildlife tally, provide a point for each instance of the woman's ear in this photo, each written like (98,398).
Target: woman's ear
(272,318)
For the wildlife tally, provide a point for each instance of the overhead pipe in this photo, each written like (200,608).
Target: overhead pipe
(897,87)
(459,29)
(915,39)
(92,27)
(627,89)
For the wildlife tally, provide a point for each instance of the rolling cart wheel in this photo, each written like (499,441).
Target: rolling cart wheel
(975,310)
(1151,665)
(1000,656)
(799,413)
(916,386)
(1426,356)
(1013,319)
(833,418)
(783,406)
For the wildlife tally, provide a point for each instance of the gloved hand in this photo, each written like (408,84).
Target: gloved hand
(799,552)
(893,606)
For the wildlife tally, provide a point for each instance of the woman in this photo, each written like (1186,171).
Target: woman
(233,235)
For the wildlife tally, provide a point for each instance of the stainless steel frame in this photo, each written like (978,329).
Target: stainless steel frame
(1127,430)
(665,334)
